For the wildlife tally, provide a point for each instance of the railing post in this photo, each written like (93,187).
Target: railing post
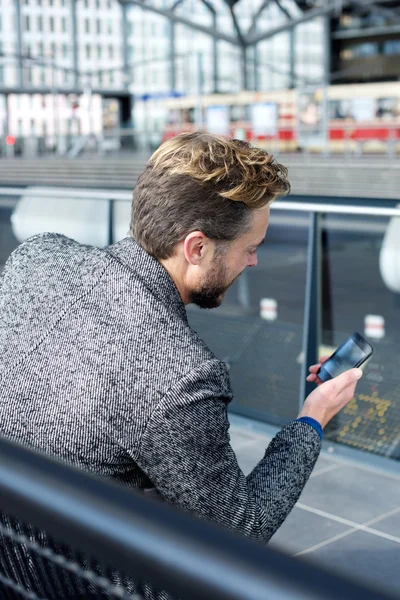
(110,222)
(312,305)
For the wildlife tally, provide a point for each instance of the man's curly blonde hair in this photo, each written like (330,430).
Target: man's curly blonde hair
(202,182)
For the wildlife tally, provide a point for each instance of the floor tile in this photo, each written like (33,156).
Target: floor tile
(302,530)
(390,525)
(363,556)
(248,456)
(240,438)
(352,493)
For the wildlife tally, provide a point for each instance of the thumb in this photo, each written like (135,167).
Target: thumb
(347,378)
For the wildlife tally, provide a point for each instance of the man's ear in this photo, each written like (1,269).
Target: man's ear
(195,247)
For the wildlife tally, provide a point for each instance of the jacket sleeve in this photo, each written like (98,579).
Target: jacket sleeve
(186,453)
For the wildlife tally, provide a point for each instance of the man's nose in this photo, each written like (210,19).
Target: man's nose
(253,260)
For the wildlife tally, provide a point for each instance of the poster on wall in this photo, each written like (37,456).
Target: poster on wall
(217,120)
(312,119)
(264,119)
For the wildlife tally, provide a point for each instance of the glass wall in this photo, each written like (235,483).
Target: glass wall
(361,284)
(360,292)
(258,329)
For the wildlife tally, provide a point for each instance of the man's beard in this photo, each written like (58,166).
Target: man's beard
(212,290)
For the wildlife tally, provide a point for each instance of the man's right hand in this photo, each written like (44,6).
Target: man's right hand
(329,397)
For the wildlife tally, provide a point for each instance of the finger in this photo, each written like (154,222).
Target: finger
(314,368)
(323,359)
(347,394)
(313,378)
(346,379)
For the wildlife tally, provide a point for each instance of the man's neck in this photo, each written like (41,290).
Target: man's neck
(175,272)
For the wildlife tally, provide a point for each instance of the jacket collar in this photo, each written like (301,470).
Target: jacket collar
(150,271)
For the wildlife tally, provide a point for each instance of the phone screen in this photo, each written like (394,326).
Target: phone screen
(345,358)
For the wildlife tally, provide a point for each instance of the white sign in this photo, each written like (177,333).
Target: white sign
(217,120)
(268,309)
(264,118)
(364,109)
(374,326)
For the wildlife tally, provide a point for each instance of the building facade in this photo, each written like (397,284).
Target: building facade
(64,63)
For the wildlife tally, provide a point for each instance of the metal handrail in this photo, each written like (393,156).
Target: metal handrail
(154,542)
(286,205)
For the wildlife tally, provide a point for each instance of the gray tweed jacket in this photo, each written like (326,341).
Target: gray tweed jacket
(100,368)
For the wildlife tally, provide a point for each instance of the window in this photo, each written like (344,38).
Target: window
(27,23)
(131,52)
(100,77)
(40,49)
(99,50)
(98,4)
(391,47)
(366,49)
(87,26)
(51,23)
(109,27)
(53,49)
(86,3)
(98,26)
(130,27)
(40,23)
(63,24)
(65,50)
(110,51)
(1,74)
(111,77)
(88,49)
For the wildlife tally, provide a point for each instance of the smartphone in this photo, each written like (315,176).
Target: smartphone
(352,353)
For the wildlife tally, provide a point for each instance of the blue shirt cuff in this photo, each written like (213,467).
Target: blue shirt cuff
(317,426)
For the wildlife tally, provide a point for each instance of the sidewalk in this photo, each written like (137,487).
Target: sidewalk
(347,518)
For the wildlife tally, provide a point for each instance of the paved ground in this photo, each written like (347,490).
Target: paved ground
(347,518)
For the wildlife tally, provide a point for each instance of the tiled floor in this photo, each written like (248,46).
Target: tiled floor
(347,518)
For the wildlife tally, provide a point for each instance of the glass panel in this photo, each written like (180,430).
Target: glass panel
(361,292)
(264,355)
(8,243)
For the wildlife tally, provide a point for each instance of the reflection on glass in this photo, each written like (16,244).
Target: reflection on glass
(264,356)
(358,281)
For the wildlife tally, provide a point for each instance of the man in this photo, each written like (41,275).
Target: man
(100,368)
